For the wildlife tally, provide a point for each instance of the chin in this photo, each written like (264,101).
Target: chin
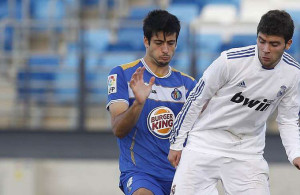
(163,64)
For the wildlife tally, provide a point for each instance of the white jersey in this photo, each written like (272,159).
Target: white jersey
(242,95)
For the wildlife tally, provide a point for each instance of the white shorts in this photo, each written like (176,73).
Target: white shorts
(199,173)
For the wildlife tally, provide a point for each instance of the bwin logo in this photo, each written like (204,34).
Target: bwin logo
(261,106)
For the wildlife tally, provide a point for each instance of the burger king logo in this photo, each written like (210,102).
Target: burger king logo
(160,122)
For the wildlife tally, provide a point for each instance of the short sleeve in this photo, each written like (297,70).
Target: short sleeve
(117,87)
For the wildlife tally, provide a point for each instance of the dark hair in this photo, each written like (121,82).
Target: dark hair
(160,20)
(277,22)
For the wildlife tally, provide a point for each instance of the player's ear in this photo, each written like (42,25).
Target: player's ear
(288,44)
(146,42)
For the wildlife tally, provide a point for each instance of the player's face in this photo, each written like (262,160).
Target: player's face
(270,49)
(161,48)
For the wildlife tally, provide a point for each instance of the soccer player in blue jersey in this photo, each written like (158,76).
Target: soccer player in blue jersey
(226,141)
(144,98)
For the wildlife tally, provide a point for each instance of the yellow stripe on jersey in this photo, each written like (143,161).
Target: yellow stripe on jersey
(131,148)
(183,74)
(130,64)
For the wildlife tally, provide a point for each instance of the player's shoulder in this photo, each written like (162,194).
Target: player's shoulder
(127,67)
(131,65)
(183,75)
(290,62)
(240,52)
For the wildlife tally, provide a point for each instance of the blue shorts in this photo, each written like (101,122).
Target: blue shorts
(130,182)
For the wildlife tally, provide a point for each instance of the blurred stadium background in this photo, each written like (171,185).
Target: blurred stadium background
(55,56)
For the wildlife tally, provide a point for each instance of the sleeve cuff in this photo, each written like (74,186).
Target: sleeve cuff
(176,146)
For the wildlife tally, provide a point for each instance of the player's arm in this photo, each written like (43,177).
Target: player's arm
(213,79)
(124,118)
(287,120)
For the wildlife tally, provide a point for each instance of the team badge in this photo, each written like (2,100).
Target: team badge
(176,94)
(160,121)
(129,183)
(112,83)
(282,91)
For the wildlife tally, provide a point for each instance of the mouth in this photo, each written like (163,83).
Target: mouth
(266,59)
(165,58)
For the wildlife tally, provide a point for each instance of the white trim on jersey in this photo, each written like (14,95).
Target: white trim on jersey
(149,70)
(115,101)
(163,93)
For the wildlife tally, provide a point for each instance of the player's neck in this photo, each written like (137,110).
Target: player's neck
(159,71)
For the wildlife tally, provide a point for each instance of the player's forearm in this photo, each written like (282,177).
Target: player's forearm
(290,140)
(123,123)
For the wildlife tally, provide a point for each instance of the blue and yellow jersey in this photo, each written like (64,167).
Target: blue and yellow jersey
(145,148)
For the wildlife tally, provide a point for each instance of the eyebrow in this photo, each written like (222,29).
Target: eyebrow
(159,40)
(278,42)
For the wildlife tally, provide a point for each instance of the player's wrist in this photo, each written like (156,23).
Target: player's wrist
(139,103)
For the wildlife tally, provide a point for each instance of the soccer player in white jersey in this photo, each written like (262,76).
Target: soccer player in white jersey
(226,140)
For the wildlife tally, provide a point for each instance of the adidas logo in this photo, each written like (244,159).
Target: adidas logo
(242,84)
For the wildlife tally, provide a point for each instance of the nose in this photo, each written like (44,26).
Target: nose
(266,48)
(165,48)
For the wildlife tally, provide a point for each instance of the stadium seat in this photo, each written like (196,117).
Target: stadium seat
(128,39)
(8,37)
(239,41)
(214,13)
(16,11)
(34,86)
(181,61)
(133,36)
(3,9)
(139,12)
(71,60)
(44,61)
(202,3)
(96,40)
(199,3)
(295,48)
(111,60)
(183,39)
(250,11)
(295,14)
(208,43)
(202,63)
(92,3)
(185,12)
(235,3)
(36,82)
(47,9)
(66,86)
(97,86)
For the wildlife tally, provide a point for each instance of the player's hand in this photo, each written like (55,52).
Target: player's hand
(140,90)
(174,157)
(296,162)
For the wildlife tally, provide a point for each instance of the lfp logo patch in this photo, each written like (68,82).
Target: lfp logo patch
(160,121)
(112,83)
